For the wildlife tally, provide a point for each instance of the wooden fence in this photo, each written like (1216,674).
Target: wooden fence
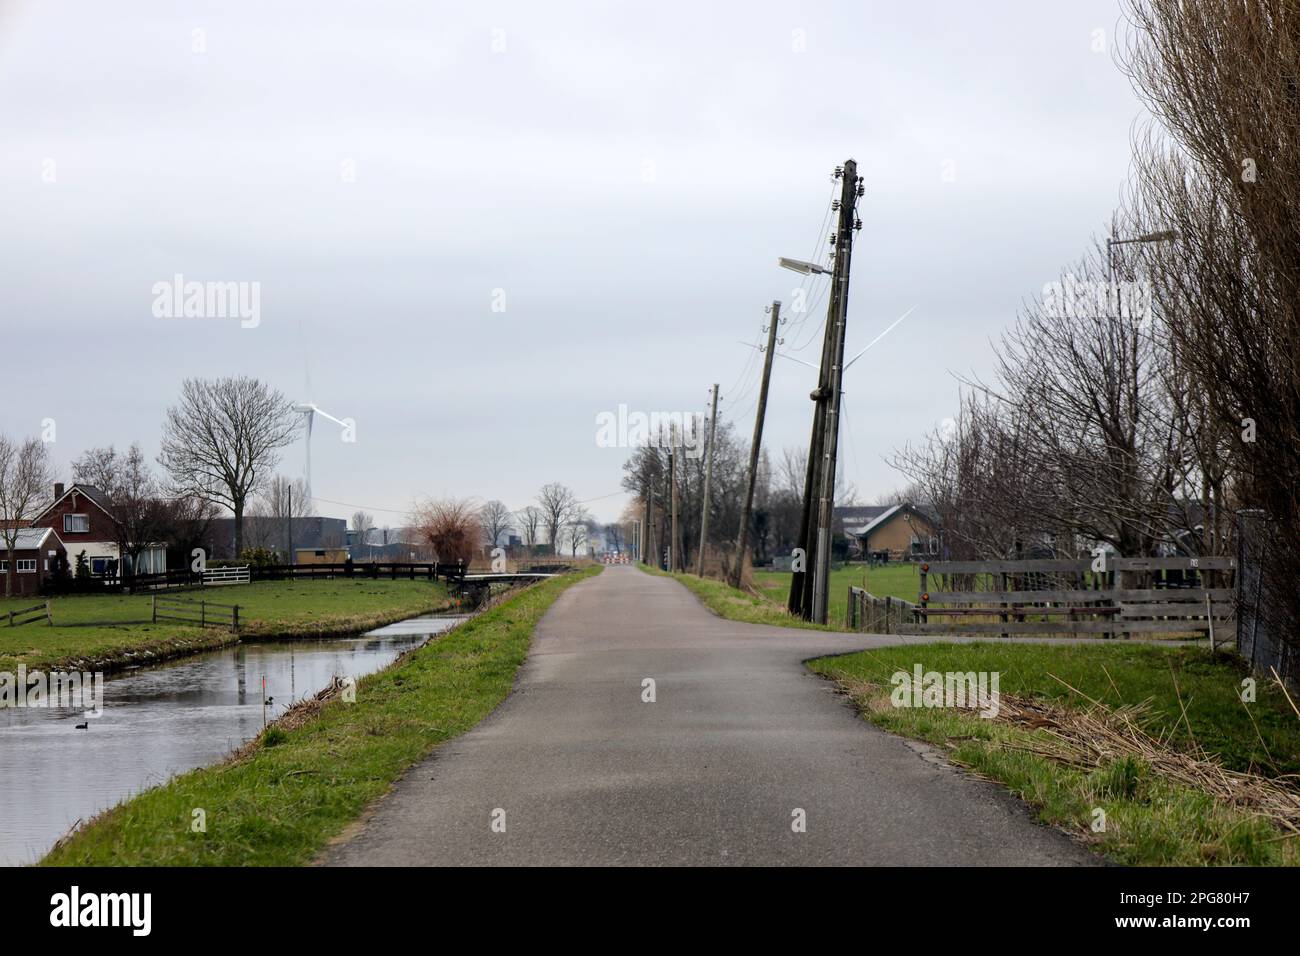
(275,572)
(875,615)
(202,613)
(218,576)
(1189,596)
(36,612)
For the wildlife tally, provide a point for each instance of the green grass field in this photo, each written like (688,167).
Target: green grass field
(108,629)
(897,580)
(279,803)
(1150,820)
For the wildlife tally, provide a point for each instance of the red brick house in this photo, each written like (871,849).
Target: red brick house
(81,517)
(36,554)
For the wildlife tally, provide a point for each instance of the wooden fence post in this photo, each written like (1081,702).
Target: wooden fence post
(1005,579)
(154,601)
(203,614)
(923,596)
(234,620)
(889,606)
(1209,619)
(49,619)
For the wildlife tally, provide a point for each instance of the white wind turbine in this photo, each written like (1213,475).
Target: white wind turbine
(309,410)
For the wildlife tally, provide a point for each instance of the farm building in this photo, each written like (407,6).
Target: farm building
(903,531)
(37,552)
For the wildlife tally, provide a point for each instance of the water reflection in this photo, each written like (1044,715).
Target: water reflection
(163,721)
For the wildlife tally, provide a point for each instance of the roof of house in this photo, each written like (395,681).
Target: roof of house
(859,514)
(31,538)
(886,513)
(882,515)
(87,491)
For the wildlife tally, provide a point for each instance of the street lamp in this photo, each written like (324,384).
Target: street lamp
(1163,235)
(803,268)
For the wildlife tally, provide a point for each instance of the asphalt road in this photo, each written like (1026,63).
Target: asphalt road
(740,736)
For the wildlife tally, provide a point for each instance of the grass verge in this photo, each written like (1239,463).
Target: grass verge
(736,605)
(281,799)
(900,580)
(1148,819)
(110,631)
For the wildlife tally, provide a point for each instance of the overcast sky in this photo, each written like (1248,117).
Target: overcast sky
(627,174)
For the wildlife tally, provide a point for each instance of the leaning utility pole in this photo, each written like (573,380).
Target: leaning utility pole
(826,506)
(817,528)
(742,541)
(708,480)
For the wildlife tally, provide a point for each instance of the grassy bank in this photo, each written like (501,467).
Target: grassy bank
(110,631)
(736,605)
(1149,819)
(279,802)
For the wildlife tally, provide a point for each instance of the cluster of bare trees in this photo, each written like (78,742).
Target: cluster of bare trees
(457,529)
(1224,81)
(778,497)
(1081,437)
(1153,421)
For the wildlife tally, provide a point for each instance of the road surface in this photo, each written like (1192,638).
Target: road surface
(740,737)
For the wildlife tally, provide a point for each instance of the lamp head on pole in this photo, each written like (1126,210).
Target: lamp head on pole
(804,268)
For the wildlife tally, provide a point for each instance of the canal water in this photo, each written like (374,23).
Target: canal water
(165,720)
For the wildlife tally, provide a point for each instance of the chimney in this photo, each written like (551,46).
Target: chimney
(58,490)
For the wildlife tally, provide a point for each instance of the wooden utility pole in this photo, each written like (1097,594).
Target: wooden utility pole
(708,480)
(742,540)
(826,504)
(652,539)
(674,559)
(808,588)
(289,531)
(648,491)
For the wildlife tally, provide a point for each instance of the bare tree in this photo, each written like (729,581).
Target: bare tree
(529,519)
(1222,170)
(25,479)
(614,534)
(362,522)
(556,502)
(450,526)
(134,494)
(496,520)
(269,515)
(578,528)
(222,440)
(185,523)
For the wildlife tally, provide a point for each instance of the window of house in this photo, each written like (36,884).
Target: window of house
(76,523)
(101,566)
(26,565)
(4,567)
